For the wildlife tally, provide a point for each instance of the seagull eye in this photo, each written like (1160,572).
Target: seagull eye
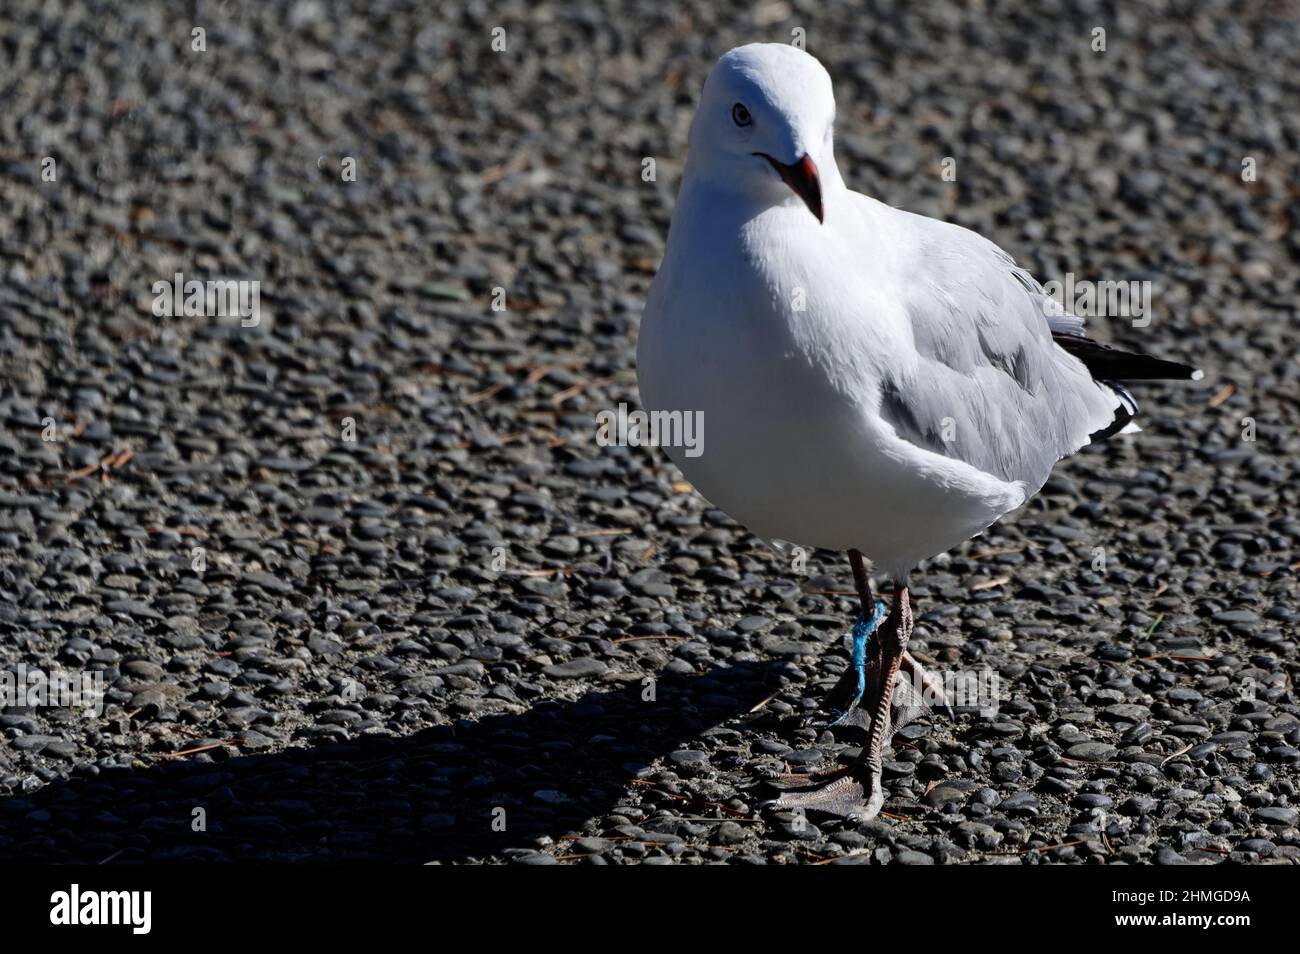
(740,115)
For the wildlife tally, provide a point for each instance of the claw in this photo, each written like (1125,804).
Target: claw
(844,797)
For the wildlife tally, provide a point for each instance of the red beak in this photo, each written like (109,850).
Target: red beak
(802,178)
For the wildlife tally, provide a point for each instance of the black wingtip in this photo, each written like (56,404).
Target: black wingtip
(1111,364)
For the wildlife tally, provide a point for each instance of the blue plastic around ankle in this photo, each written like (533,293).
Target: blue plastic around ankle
(862,631)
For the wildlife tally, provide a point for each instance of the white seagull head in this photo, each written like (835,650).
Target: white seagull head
(765,126)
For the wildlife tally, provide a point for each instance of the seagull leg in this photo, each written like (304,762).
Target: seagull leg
(844,699)
(922,680)
(917,694)
(893,643)
(846,695)
(860,791)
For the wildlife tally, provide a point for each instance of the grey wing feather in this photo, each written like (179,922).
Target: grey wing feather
(991,388)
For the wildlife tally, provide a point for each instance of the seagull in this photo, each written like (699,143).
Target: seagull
(870,380)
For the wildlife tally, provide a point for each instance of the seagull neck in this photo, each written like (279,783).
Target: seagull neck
(724,200)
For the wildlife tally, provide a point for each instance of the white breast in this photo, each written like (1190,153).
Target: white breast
(792,445)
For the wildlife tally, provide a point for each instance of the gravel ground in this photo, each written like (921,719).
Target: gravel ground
(473,634)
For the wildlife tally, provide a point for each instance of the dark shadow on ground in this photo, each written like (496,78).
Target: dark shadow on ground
(428,796)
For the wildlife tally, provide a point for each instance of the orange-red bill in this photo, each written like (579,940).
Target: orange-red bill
(803,180)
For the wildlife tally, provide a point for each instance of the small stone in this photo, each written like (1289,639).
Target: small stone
(1021,803)
(908,857)
(582,668)
(1275,815)
(1092,752)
